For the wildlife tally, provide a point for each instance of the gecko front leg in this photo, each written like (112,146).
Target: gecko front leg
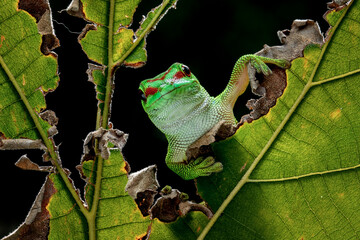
(239,79)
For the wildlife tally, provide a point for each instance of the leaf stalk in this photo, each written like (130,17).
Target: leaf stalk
(103,116)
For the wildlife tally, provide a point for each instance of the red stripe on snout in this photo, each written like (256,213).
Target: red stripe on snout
(179,75)
(151,91)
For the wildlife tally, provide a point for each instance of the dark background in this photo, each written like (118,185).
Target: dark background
(208,36)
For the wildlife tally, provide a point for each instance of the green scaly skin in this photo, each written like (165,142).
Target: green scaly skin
(184,111)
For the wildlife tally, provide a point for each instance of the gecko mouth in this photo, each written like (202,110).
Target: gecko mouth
(142,95)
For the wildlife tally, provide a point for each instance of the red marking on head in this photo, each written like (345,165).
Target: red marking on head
(150,91)
(179,75)
(162,78)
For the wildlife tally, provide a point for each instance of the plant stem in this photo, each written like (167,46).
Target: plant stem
(110,66)
(96,198)
(103,116)
(98,118)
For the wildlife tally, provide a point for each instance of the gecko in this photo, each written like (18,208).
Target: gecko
(184,111)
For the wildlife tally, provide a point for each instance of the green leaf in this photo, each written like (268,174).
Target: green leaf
(138,56)
(188,227)
(110,212)
(118,215)
(293,174)
(113,42)
(66,220)
(25,74)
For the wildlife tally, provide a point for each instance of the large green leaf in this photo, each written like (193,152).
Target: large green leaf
(293,174)
(25,73)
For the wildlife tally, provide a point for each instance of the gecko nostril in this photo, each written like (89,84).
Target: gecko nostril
(142,95)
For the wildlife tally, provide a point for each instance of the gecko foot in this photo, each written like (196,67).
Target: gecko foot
(259,63)
(204,167)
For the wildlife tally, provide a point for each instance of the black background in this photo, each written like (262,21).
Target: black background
(208,36)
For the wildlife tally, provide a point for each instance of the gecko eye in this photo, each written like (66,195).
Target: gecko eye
(186,70)
(142,96)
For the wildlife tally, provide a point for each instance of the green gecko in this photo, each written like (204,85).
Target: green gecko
(184,111)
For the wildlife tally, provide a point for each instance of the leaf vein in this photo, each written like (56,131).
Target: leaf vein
(244,226)
(301,80)
(336,207)
(115,176)
(356,138)
(13,47)
(119,225)
(312,210)
(304,175)
(276,212)
(17,100)
(113,197)
(247,150)
(332,141)
(9,17)
(27,66)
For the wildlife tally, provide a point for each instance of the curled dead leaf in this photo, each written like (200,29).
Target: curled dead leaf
(50,117)
(40,10)
(271,87)
(26,164)
(202,147)
(172,205)
(18,144)
(104,136)
(337,4)
(142,187)
(75,9)
(36,224)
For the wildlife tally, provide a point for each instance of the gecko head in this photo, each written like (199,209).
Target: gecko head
(168,88)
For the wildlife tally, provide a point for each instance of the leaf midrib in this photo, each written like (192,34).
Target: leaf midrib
(103,116)
(29,108)
(42,132)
